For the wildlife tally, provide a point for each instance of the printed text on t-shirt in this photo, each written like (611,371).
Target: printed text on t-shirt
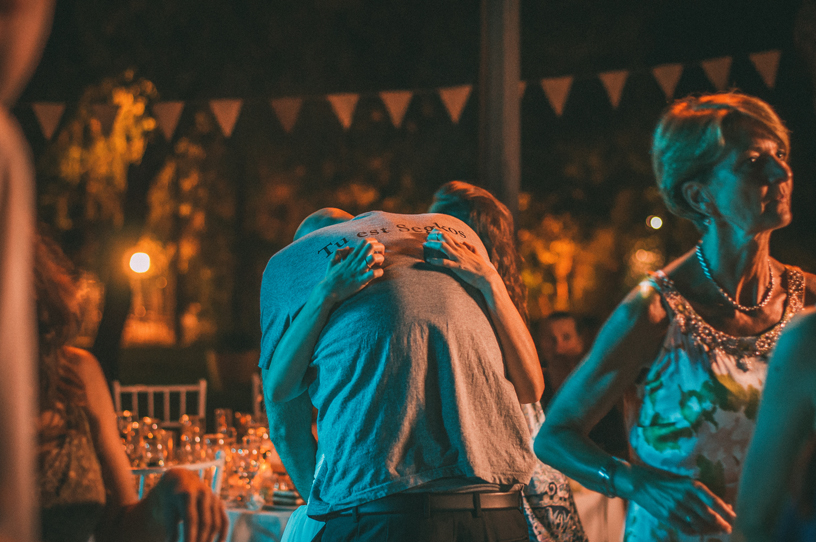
(331,247)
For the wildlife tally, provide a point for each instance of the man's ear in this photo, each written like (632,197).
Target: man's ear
(698,198)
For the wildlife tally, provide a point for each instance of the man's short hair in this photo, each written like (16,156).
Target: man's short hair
(328,216)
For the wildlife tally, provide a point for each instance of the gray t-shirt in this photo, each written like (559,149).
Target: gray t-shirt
(410,383)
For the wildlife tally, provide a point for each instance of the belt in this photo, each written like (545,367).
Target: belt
(426,503)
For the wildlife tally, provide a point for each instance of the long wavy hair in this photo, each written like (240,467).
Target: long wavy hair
(58,317)
(493,223)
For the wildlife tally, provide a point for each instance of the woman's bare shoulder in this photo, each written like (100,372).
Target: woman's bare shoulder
(87,370)
(641,316)
(84,363)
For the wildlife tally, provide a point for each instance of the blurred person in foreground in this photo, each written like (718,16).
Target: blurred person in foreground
(692,341)
(24,27)
(85,483)
(397,356)
(785,428)
(561,347)
(548,503)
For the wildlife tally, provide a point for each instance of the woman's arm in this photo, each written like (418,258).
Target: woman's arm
(784,424)
(628,342)
(179,496)
(290,429)
(349,271)
(520,356)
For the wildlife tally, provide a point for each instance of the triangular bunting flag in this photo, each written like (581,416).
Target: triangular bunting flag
(717,71)
(455,99)
(226,114)
(343,105)
(522,87)
(287,110)
(106,115)
(614,82)
(766,65)
(167,116)
(667,76)
(396,102)
(48,115)
(557,90)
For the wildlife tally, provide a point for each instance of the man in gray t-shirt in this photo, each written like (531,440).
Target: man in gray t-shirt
(409,380)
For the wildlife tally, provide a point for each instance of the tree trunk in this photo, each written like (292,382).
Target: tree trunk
(118,293)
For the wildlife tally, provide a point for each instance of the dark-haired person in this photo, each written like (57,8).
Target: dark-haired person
(694,339)
(85,483)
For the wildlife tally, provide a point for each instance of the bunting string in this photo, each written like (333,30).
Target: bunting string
(396,102)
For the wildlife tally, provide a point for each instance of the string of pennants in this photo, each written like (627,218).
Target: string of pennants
(556,89)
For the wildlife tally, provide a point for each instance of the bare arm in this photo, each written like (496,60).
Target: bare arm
(349,271)
(628,342)
(520,356)
(290,428)
(785,423)
(179,496)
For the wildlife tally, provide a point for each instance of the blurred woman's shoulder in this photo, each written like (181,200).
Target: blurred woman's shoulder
(83,363)
(87,372)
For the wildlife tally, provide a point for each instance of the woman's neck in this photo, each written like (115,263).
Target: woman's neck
(738,263)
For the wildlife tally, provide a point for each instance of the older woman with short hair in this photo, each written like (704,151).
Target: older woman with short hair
(692,341)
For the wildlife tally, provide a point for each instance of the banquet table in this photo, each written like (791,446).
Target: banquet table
(258,526)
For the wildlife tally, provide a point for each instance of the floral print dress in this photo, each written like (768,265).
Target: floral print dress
(696,407)
(549,507)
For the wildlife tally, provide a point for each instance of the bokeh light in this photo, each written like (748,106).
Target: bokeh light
(655,222)
(139,262)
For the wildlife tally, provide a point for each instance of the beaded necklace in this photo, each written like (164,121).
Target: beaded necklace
(762,302)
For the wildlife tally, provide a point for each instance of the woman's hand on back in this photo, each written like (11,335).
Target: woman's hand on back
(461,258)
(351,270)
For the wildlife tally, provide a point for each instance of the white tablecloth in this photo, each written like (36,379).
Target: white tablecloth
(260,526)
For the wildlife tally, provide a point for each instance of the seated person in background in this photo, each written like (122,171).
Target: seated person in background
(85,482)
(402,368)
(785,426)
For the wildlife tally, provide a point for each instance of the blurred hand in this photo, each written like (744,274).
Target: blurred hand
(182,496)
(461,258)
(685,504)
(351,270)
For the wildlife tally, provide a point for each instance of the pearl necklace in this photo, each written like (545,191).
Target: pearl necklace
(762,302)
